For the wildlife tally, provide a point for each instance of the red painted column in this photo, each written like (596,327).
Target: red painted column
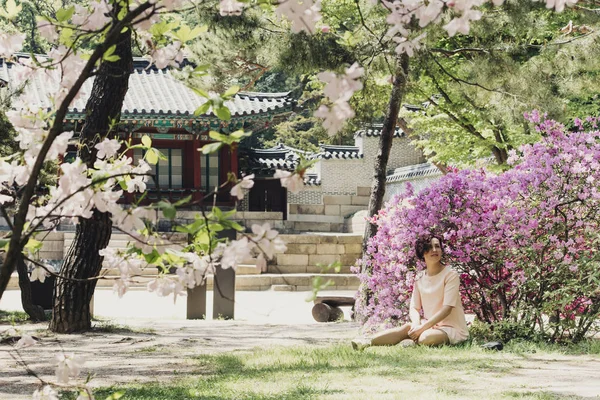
(234,160)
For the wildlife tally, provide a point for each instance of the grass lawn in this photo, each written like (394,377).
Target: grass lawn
(337,372)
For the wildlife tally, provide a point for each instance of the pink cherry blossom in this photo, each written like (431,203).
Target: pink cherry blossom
(239,189)
(231,7)
(293,182)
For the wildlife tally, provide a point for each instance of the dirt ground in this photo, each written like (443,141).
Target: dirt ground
(161,347)
(150,350)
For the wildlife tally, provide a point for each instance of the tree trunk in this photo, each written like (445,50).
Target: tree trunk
(36,313)
(71,311)
(385,145)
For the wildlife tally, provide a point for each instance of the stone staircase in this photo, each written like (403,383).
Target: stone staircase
(329,216)
(306,258)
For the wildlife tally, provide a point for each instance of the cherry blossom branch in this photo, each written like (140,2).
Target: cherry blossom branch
(15,245)
(70,195)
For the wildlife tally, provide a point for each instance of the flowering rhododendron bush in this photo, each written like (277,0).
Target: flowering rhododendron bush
(524,242)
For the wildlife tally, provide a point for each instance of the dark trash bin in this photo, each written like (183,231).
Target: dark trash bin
(42,294)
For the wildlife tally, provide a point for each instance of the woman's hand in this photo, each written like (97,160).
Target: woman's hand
(416,331)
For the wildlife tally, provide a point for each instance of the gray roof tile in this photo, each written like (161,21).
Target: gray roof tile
(157,92)
(413,171)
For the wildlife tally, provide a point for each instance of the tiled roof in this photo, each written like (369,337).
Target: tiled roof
(413,171)
(157,92)
(375,130)
(312,180)
(339,152)
(277,157)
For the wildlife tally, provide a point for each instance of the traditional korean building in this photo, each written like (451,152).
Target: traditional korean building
(162,107)
(338,185)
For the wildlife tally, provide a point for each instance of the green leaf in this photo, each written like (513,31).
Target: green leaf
(183,201)
(4,244)
(217,136)
(231,91)
(66,37)
(239,135)
(64,14)
(201,92)
(202,109)
(169,211)
(152,157)
(202,238)
(109,54)
(215,227)
(185,34)
(223,113)
(146,141)
(211,147)
(11,9)
(116,395)
(33,245)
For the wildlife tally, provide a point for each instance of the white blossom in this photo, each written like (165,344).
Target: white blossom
(107,148)
(236,252)
(293,182)
(10,43)
(47,30)
(38,273)
(304,14)
(230,7)
(69,365)
(168,55)
(25,341)
(245,184)
(47,393)
(559,5)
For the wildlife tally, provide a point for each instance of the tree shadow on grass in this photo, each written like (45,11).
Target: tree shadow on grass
(302,372)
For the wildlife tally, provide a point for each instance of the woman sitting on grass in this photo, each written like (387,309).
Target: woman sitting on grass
(436,293)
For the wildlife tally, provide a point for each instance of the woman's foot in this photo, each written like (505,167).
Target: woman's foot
(359,344)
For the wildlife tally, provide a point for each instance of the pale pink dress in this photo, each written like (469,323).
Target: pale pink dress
(431,293)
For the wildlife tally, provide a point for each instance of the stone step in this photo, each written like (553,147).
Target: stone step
(322,237)
(312,269)
(314,259)
(301,281)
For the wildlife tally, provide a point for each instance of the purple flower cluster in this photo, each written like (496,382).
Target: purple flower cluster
(524,241)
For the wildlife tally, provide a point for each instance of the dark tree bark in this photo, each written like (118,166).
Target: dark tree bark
(71,311)
(385,145)
(36,313)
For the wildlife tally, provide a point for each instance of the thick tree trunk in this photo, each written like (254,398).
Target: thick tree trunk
(71,311)
(36,313)
(385,145)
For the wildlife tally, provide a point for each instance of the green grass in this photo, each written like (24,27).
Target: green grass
(337,372)
(106,326)
(13,317)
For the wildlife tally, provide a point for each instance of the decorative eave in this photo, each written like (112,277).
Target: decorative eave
(374,130)
(312,180)
(156,99)
(339,152)
(413,171)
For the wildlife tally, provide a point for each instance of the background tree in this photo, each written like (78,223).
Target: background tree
(476,88)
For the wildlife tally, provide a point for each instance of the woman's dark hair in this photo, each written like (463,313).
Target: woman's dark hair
(423,245)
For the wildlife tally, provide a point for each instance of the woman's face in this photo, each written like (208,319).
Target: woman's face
(434,254)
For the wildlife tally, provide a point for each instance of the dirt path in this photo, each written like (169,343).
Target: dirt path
(152,349)
(149,351)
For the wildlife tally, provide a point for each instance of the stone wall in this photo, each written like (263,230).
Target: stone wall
(394,188)
(345,187)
